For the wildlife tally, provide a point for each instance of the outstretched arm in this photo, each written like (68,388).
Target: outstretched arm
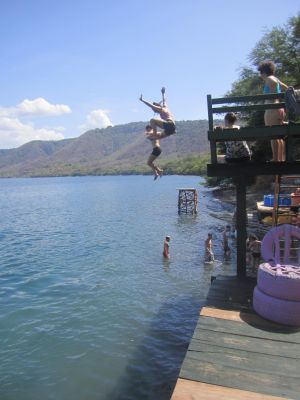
(154,108)
(163,91)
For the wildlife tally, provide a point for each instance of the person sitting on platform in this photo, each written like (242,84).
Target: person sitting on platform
(236,151)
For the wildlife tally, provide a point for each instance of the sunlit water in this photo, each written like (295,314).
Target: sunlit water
(89,309)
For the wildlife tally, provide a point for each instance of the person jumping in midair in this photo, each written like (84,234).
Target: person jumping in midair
(166,122)
(156,150)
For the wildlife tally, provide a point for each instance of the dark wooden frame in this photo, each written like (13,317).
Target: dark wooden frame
(242,171)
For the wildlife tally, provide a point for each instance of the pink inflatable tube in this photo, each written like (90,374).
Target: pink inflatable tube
(280,281)
(277,310)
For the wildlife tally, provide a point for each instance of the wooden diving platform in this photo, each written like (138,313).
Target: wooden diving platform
(235,354)
(244,172)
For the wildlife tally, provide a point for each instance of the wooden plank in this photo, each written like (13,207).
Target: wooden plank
(190,390)
(260,133)
(235,377)
(228,314)
(254,107)
(245,99)
(246,343)
(254,169)
(245,359)
(282,333)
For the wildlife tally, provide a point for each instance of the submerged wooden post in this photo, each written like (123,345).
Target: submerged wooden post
(241,226)
(187,201)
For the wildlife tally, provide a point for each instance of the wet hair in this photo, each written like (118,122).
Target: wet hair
(209,234)
(267,67)
(148,127)
(230,117)
(168,238)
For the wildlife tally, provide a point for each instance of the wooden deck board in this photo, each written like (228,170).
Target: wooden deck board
(191,390)
(235,349)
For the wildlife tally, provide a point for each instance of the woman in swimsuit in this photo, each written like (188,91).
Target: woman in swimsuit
(166,122)
(156,151)
(273,116)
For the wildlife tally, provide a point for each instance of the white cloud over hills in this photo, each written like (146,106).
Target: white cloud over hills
(96,119)
(14,131)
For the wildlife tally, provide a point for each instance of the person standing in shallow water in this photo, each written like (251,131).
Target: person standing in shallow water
(166,251)
(273,116)
(209,255)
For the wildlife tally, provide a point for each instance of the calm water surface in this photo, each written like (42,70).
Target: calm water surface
(88,307)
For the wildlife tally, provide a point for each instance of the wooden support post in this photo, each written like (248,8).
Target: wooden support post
(241,222)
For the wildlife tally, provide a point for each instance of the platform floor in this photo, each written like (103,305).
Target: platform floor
(235,354)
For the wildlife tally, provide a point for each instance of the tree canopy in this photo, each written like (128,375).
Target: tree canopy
(282,46)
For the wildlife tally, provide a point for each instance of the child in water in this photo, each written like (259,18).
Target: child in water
(254,247)
(209,255)
(166,253)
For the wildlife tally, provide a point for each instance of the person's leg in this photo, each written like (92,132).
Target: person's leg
(157,171)
(276,117)
(151,165)
(156,123)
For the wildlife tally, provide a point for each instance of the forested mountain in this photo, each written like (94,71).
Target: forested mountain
(121,149)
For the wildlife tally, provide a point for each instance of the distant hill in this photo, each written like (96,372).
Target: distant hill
(122,149)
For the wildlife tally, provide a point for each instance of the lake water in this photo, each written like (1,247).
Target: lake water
(88,307)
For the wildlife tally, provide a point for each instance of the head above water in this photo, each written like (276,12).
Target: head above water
(148,128)
(168,238)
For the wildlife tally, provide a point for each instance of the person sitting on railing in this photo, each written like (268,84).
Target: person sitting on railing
(236,151)
(273,116)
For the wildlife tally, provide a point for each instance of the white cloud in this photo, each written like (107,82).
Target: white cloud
(37,107)
(14,131)
(96,119)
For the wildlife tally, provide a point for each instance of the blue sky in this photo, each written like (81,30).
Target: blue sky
(69,66)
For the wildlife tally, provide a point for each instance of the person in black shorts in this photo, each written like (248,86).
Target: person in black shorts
(156,151)
(166,122)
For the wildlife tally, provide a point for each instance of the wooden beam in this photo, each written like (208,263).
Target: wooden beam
(259,133)
(254,169)
(254,107)
(246,99)
(192,390)
(241,226)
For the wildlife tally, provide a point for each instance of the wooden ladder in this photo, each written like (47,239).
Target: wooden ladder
(282,184)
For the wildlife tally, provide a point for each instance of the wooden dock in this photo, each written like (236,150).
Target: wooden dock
(235,354)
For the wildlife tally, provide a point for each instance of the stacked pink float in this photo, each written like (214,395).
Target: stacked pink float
(277,294)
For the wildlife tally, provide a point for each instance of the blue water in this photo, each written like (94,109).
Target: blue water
(88,307)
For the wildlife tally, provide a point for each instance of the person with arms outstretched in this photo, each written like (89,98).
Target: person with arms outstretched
(166,123)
